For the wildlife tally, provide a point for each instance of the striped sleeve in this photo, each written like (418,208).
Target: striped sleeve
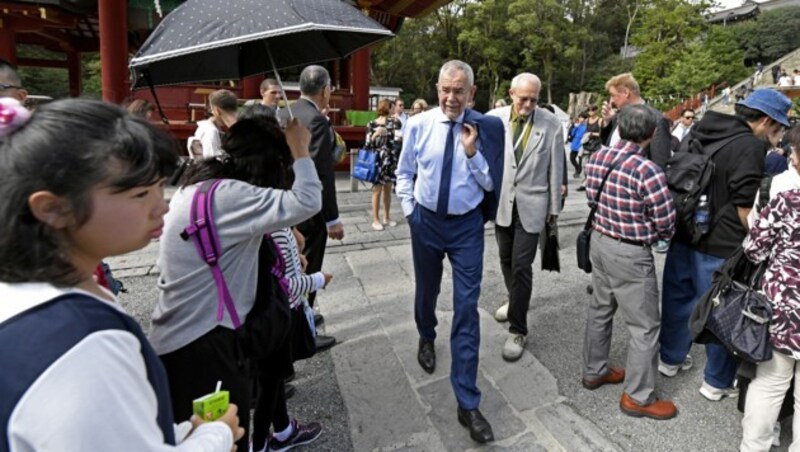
(300,284)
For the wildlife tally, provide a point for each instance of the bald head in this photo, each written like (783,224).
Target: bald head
(10,82)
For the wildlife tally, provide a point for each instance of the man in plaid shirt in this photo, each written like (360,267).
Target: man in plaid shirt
(634,211)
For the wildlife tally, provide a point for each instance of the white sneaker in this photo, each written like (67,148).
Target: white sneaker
(501,315)
(715,394)
(515,345)
(670,370)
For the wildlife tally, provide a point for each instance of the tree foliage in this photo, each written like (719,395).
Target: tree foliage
(575,45)
(769,37)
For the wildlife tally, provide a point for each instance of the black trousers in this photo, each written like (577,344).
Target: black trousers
(316,233)
(271,405)
(573,158)
(194,370)
(517,252)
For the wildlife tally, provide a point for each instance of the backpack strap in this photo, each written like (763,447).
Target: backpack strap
(279,267)
(596,202)
(204,233)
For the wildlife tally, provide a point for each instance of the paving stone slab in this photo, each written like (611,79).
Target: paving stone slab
(339,248)
(527,442)
(348,315)
(355,236)
(572,431)
(370,376)
(131,272)
(439,396)
(132,261)
(526,383)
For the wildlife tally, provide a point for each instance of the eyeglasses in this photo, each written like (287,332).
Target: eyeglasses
(523,99)
(454,91)
(688,117)
(4,86)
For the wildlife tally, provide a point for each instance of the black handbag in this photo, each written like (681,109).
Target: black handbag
(302,342)
(583,242)
(732,312)
(549,247)
(739,319)
(267,326)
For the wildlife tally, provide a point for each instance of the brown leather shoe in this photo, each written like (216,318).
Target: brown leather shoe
(615,375)
(660,409)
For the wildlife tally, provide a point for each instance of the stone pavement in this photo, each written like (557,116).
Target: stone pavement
(370,393)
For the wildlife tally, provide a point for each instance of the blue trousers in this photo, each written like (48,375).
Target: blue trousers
(687,275)
(461,239)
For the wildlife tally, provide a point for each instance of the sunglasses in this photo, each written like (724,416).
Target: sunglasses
(4,86)
(688,117)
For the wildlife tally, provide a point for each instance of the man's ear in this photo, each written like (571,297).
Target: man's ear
(50,209)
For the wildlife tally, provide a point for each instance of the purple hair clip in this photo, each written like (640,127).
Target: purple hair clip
(12,116)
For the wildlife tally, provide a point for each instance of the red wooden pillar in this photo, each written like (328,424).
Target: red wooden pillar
(113,15)
(8,45)
(74,70)
(251,87)
(360,69)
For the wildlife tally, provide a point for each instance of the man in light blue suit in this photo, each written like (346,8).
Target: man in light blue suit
(449,167)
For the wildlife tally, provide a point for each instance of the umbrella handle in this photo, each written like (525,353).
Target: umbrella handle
(280,83)
(149,79)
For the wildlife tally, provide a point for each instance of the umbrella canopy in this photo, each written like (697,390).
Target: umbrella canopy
(208,40)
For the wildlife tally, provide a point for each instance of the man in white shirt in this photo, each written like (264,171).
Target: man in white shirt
(684,124)
(223,105)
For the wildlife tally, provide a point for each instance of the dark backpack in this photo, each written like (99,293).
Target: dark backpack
(266,327)
(689,173)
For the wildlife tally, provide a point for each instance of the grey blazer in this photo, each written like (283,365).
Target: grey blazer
(535,184)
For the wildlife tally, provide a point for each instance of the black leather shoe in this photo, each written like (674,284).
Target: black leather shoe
(318,319)
(324,342)
(426,356)
(479,429)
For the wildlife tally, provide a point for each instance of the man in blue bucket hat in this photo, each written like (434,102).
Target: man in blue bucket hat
(759,121)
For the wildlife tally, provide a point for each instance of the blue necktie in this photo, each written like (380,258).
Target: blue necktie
(447,173)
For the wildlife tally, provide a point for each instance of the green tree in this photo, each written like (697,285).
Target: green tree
(667,29)
(772,35)
(411,60)
(540,25)
(486,38)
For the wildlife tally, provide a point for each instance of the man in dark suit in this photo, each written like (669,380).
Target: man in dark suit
(449,167)
(315,92)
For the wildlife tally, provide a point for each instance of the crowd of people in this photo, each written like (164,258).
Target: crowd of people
(243,239)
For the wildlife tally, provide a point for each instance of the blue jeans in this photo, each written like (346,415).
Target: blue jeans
(687,275)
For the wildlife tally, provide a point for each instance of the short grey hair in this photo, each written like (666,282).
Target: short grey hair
(313,80)
(526,77)
(637,122)
(458,65)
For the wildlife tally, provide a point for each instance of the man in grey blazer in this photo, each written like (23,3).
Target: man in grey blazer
(530,195)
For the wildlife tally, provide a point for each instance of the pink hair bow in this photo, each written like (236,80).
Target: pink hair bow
(12,116)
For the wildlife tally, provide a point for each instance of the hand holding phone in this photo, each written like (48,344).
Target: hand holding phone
(608,110)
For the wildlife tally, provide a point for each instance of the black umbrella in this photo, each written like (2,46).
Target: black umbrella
(209,40)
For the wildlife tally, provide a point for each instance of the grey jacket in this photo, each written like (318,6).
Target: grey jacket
(243,213)
(535,184)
